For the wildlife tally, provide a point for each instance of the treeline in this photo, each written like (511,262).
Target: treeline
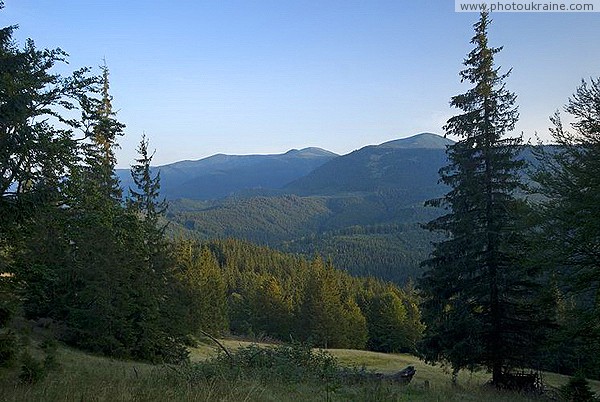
(256,291)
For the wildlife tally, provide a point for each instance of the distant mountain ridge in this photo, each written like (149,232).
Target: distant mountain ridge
(407,165)
(301,171)
(221,175)
(364,210)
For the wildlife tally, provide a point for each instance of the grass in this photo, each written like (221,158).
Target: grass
(83,377)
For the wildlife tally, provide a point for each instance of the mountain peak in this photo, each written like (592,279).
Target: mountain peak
(423,141)
(310,152)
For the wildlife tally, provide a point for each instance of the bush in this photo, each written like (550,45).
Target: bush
(578,390)
(8,348)
(50,347)
(32,370)
(285,363)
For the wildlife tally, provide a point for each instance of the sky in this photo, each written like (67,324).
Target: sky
(252,76)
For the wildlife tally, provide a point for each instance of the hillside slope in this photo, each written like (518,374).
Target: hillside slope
(407,167)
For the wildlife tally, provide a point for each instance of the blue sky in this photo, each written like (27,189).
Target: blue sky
(239,77)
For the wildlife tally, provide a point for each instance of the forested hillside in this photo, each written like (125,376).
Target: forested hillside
(262,292)
(362,234)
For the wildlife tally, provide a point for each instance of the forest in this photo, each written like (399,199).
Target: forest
(510,283)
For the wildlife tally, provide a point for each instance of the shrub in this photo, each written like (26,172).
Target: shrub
(50,347)
(285,363)
(32,370)
(8,348)
(577,389)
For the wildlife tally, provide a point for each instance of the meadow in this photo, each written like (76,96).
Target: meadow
(84,377)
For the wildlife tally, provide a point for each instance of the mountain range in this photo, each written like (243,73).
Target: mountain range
(364,210)
(305,171)
(222,175)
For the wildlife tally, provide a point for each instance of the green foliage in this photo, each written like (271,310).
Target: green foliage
(205,298)
(389,330)
(578,389)
(276,295)
(32,369)
(7,299)
(321,307)
(78,256)
(569,227)
(357,232)
(282,363)
(479,295)
(8,348)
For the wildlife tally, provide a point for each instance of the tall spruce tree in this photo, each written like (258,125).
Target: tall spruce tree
(156,316)
(97,307)
(478,297)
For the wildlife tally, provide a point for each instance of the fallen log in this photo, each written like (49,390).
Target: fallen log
(402,377)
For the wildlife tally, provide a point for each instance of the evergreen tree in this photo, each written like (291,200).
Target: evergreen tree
(205,288)
(478,296)
(322,311)
(156,316)
(355,330)
(97,306)
(387,321)
(271,309)
(570,221)
(145,198)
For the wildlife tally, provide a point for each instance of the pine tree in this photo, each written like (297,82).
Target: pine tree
(478,305)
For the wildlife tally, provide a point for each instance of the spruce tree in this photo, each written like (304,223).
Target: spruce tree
(145,198)
(569,179)
(204,286)
(387,323)
(478,306)
(156,313)
(323,319)
(106,261)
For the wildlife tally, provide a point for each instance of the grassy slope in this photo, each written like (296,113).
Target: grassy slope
(83,377)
